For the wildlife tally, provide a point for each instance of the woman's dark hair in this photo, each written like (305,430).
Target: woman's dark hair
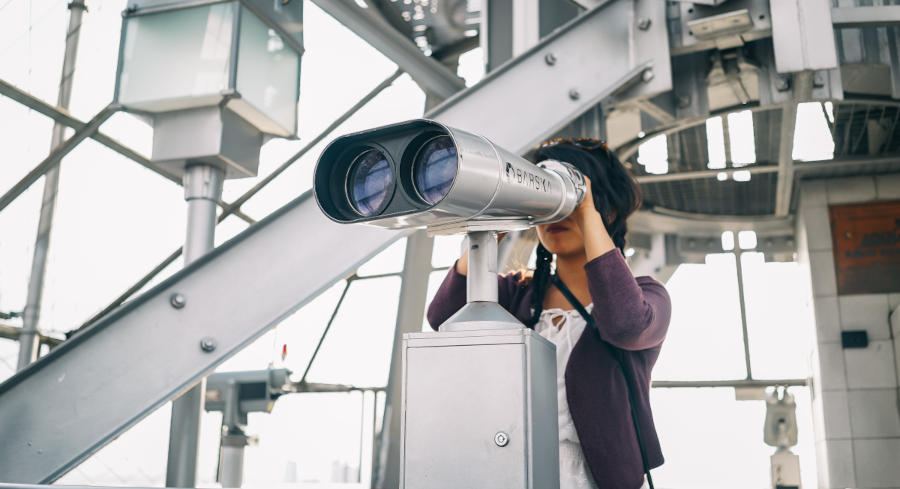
(616,196)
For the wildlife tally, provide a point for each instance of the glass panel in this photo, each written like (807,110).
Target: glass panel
(268,72)
(307,438)
(388,261)
(357,350)
(708,438)
(113,234)
(447,249)
(177,54)
(9,356)
(704,340)
(779,317)
(137,457)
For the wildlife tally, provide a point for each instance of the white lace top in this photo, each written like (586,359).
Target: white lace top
(564,328)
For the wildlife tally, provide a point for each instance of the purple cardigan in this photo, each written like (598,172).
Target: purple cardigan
(632,314)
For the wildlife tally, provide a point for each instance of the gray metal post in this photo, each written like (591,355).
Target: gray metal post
(202,190)
(740,283)
(231,454)
(410,312)
(30,337)
(481,284)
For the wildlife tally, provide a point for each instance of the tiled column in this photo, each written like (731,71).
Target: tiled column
(855,391)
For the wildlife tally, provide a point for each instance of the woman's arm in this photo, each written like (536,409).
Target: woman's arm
(632,314)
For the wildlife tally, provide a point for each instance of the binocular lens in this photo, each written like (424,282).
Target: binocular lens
(370,183)
(434,168)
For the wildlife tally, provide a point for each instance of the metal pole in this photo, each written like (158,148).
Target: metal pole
(30,337)
(481,283)
(740,283)
(202,189)
(386,454)
(231,455)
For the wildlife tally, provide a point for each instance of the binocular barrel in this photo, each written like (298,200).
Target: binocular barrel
(423,173)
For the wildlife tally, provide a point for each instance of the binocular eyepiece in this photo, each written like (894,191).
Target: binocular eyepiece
(422,173)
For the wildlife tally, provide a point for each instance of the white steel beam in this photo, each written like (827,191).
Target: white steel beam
(368,24)
(531,96)
(113,373)
(868,16)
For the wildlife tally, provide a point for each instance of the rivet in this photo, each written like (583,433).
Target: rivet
(501,439)
(208,344)
(574,94)
(550,59)
(177,300)
(647,75)
(644,24)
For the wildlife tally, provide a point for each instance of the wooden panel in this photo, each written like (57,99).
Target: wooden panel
(866,241)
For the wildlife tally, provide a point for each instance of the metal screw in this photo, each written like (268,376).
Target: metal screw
(177,300)
(782,83)
(550,59)
(644,24)
(501,439)
(208,344)
(574,94)
(648,75)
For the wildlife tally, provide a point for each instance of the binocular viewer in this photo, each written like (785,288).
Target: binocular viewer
(422,173)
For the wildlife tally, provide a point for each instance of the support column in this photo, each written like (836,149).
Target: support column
(29,340)
(202,190)
(854,389)
(410,313)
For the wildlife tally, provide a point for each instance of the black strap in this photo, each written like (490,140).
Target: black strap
(617,355)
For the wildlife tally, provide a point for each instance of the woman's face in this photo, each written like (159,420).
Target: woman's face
(561,238)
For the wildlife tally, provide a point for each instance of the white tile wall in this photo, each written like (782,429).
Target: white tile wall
(813,193)
(872,367)
(867,311)
(874,413)
(836,415)
(841,471)
(828,319)
(894,300)
(830,367)
(877,462)
(821,267)
(850,190)
(888,187)
(818,228)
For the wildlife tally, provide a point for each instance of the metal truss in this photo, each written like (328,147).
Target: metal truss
(367,23)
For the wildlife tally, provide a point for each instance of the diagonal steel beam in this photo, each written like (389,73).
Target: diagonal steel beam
(56,155)
(528,98)
(115,372)
(368,24)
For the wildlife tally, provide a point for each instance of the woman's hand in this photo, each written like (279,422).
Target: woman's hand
(597,240)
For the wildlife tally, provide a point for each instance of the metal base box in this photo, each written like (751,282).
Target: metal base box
(479,410)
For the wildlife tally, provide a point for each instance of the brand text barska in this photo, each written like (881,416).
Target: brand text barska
(524,177)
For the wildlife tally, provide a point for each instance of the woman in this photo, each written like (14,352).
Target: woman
(598,442)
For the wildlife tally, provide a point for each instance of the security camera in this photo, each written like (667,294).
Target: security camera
(422,173)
